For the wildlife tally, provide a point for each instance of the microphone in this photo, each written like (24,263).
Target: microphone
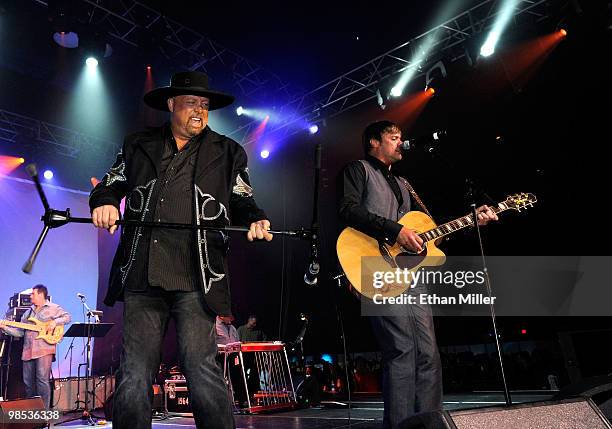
(310,278)
(410,143)
(80,296)
(31,170)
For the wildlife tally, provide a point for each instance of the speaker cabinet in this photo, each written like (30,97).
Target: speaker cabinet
(67,391)
(580,413)
(23,405)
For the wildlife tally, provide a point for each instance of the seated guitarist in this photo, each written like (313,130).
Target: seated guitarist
(372,200)
(37,355)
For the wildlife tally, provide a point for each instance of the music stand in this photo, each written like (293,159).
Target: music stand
(88,330)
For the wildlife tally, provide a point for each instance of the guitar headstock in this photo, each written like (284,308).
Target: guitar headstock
(520,201)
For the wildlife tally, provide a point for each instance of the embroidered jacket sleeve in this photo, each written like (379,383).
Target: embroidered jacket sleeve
(243,208)
(351,189)
(113,186)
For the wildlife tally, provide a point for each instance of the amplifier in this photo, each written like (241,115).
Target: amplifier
(15,313)
(176,398)
(66,390)
(20,299)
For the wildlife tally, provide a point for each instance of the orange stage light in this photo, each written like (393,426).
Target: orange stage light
(9,163)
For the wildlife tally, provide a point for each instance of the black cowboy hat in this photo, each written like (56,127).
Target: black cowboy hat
(187,83)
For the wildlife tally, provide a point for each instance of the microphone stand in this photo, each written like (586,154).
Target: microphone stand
(55,218)
(66,356)
(87,415)
(314,267)
(470,196)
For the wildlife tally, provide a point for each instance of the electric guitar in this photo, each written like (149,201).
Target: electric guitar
(352,246)
(40,327)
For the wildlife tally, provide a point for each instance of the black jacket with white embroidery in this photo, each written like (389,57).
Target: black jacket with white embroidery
(222,195)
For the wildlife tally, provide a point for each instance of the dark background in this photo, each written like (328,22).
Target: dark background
(553,127)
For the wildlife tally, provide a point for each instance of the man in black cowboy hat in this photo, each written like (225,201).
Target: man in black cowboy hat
(182,172)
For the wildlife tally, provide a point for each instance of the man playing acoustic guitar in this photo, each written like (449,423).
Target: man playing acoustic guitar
(372,200)
(37,353)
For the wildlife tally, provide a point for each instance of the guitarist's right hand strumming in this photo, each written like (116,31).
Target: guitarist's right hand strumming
(410,240)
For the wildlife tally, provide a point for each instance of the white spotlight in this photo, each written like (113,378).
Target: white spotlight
(48,174)
(91,62)
(239,111)
(487,49)
(313,129)
(396,91)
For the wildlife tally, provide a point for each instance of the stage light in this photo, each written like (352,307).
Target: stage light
(487,49)
(396,91)
(149,68)
(437,135)
(380,100)
(562,32)
(9,163)
(524,331)
(501,21)
(239,110)
(91,62)
(48,174)
(264,153)
(68,39)
(434,76)
(327,358)
(313,129)
(63,23)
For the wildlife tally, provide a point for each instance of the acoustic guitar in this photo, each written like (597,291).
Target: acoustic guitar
(361,255)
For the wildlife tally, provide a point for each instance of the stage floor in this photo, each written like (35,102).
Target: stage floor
(365,413)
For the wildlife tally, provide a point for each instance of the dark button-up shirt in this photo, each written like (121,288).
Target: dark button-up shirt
(351,187)
(247,334)
(172,256)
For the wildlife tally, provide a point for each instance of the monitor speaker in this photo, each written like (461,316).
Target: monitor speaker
(579,413)
(599,389)
(20,405)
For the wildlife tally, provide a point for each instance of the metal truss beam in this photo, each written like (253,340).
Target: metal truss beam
(15,128)
(141,26)
(360,84)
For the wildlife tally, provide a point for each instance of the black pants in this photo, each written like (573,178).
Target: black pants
(412,370)
(144,326)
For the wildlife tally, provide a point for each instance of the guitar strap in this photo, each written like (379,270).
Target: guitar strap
(415,196)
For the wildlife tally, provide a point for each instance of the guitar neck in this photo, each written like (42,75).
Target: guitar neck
(29,326)
(457,224)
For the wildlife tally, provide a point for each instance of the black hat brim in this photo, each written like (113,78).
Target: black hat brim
(158,98)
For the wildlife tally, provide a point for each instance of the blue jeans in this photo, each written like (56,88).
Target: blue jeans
(145,319)
(36,378)
(412,370)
